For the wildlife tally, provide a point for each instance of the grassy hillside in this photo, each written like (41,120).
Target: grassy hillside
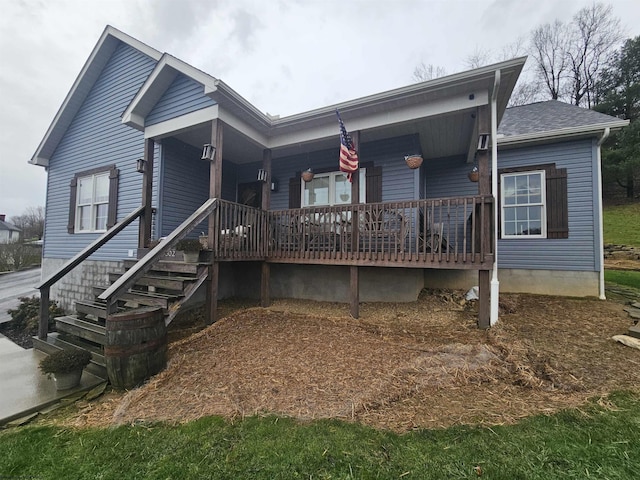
(622,224)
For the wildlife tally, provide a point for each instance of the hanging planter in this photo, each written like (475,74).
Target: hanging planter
(307,175)
(413,161)
(474,174)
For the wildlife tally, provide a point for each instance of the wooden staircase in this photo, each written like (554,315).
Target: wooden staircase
(167,285)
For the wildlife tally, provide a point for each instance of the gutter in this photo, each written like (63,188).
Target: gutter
(605,134)
(562,133)
(495,284)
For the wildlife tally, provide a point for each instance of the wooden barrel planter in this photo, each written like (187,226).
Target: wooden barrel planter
(136,346)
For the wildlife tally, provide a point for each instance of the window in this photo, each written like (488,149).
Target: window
(331,188)
(523,205)
(93,200)
(534,202)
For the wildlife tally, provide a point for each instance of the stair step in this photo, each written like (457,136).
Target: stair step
(633,312)
(151,299)
(68,341)
(82,328)
(169,283)
(96,308)
(53,343)
(169,267)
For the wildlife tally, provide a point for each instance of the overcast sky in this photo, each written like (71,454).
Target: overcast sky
(284,56)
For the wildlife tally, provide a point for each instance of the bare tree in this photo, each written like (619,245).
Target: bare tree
(31,222)
(596,32)
(424,72)
(549,45)
(478,58)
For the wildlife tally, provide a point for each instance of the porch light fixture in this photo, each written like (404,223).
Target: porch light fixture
(307,175)
(262,175)
(140,165)
(483,142)
(208,152)
(274,185)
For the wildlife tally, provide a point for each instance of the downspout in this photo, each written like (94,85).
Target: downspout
(495,284)
(605,135)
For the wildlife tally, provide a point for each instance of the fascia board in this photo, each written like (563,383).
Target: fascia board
(569,132)
(89,73)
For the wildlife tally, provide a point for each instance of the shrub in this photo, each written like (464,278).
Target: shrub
(189,245)
(65,361)
(27,314)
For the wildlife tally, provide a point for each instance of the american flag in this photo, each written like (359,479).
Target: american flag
(348,154)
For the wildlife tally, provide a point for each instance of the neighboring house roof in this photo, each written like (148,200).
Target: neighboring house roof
(553,119)
(9,226)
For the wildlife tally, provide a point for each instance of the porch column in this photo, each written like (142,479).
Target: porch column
(484,188)
(144,223)
(354,271)
(215,191)
(265,294)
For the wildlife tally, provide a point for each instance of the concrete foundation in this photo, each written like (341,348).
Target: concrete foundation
(543,282)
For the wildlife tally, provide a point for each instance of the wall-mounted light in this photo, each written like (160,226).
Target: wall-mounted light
(483,142)
(140,165)
(274,185)
(262,175)
(208,152)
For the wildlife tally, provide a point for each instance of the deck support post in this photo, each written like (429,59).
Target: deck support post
(354,284)
(265,296)
(144,225)
(215,191)
(484,188)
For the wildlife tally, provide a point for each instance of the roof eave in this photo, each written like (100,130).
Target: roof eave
(562,133)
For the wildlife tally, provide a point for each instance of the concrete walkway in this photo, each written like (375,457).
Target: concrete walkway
(25,390)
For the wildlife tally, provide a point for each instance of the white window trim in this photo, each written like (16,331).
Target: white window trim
(332,186)
(93,203)
(543,204)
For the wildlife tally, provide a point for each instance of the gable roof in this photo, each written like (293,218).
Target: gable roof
(553,119)
(109,40)
(9,226)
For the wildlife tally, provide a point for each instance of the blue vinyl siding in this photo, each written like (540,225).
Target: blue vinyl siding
(578,252)
(95,138)
(183,96)
(398,181)
(185,185)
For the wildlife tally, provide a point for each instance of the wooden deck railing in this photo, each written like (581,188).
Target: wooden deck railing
(44,287)
(433,232)
(241,234)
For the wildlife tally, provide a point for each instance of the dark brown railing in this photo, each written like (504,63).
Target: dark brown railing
(44,287)
(241,234)
(426,233)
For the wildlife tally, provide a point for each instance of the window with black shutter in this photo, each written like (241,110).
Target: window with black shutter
(93,200)
(533,202)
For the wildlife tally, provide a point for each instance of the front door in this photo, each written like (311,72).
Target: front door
(250,194)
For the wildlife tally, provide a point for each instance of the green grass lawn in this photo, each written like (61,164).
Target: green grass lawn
(628,278)
(589,443)
(621,224)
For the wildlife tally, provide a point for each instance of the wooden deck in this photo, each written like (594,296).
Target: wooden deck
(449,233)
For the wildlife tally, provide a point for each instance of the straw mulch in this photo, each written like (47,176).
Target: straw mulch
(399,367)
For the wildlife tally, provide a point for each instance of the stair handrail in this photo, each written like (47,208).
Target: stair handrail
(80,257)
(145,264)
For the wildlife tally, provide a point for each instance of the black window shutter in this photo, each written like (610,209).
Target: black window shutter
(295,187)
(374,184)
(71,226)
(557,203)
(112,213)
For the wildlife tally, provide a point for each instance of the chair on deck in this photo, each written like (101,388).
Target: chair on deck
(435,241)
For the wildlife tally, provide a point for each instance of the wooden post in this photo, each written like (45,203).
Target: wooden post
(354,271)
(144,226)
(43,327)
(215,191)
(265,280)
(265,294)
(484,188)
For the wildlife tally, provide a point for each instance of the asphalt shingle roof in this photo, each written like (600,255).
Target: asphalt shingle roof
(548,116)
(8,226)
